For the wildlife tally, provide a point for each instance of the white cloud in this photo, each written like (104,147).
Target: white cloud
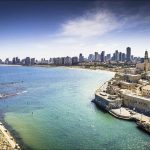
(84,34)
(90,25)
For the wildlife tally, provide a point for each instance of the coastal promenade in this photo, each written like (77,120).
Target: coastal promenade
(7,142)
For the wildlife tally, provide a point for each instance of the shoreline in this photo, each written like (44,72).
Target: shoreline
(13,133)
(90,69)
(69,67)
(9,140)
(11,65)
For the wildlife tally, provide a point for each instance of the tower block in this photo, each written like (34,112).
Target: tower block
(146,62)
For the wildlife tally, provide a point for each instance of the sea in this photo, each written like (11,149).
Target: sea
(52,110)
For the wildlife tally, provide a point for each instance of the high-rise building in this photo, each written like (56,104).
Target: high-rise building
(91,57)
(108,57)
(74,60)
(81,58)
(32,61)
(103,56)
(132,57)
(113,57)
(17,60)
(123,57)
(58,61)
(120,56)
(116,55)
(7,61)
(27,61)
(128,54)
(14,60)
(67,61)
(96,56)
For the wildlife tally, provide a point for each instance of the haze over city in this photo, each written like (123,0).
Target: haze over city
(54,28)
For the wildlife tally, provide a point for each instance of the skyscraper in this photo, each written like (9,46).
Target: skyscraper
(116,55)
(128,54)
(123,57)
(74,60)
(27,61)
(102,56)
(81,58)
(96,56)
(91,57)
(120,56)
(108,57)
(32,61)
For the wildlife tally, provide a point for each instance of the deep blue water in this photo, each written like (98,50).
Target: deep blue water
(54,110)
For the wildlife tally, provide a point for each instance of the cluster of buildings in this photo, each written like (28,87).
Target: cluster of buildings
(116,56)
(17,61)
(96,57)
(130,89)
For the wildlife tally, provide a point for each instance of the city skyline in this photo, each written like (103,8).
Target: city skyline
(127,55)
(67,28)
(98,58)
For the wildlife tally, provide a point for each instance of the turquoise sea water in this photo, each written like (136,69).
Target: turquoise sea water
(55,111)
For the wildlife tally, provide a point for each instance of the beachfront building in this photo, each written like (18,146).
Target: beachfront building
(74,60)
(81,58)
(27,61)
(67,61)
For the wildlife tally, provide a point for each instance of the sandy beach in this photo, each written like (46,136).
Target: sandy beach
(88,69)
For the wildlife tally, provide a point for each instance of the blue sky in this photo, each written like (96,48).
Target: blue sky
(68,27)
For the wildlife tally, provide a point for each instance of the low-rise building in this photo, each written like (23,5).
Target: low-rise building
(146,90)
(132,77)
(138,103)
(127,85)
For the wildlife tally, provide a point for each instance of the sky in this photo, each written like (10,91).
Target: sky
(55,28)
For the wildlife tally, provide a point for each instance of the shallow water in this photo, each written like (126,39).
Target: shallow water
(55,111)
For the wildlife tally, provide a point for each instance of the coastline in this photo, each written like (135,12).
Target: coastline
(11,65)
(13,133)
(69,67)
(8,139)
(88,69)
